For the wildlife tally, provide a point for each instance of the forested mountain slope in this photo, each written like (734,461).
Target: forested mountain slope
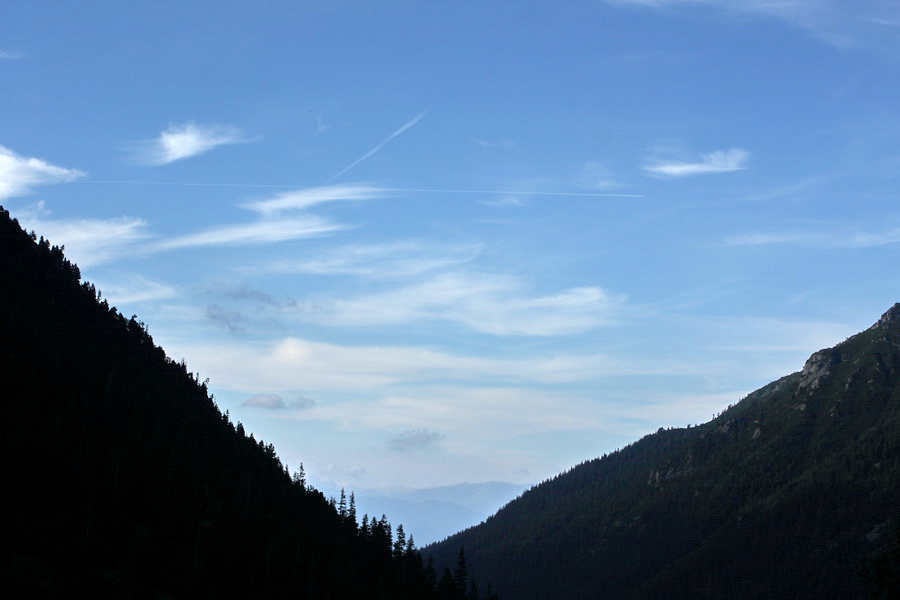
(788,494)
(120,478)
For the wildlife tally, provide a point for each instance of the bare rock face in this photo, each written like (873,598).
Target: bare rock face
(820,363)
(889,319)
(818,366)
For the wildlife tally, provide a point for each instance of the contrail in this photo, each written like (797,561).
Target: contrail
(510,192)
(379,146)
(374,188)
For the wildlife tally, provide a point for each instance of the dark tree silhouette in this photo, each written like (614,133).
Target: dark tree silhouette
(122,479)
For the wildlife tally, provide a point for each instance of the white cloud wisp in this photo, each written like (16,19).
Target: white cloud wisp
(134,288)
(91,242)
(829,20)
(498,305)
(392,260)
(186,140)
(309,197)
(19,174)
(857,239)
(720,161)
(263,232)
(293,363)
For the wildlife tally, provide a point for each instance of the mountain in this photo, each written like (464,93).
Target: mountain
(435,513)
(120,477)
(794,492)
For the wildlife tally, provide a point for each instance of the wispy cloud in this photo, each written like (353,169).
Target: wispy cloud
(800,189)
(498,305)
(597,176)
(131,289)
(276,402)
(504,144)
(91,242)
(504,201)
(762,5)
(720,161)
(272,227)
(9,55)
(296,363)
(830,20)
(511,410)
(19,174)
(834,239)
(414,439)
(321,125)
(309,197)
(380,145)
(380,261)
(263,232)
(184,141)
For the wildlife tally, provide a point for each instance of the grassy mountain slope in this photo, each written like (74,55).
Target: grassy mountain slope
(787,494)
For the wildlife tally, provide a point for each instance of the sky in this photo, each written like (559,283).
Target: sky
(421,243)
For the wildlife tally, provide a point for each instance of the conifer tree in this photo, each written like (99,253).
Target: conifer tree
(351,511)
(400,542)
(461,574)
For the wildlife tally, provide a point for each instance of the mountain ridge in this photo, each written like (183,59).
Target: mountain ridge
(121,478)
(770,499)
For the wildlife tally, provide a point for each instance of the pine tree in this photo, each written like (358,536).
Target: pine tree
(400,542)
(461,575)
(351,511)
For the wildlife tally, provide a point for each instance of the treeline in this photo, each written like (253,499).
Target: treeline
(121,478)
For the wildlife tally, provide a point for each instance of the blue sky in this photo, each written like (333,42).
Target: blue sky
(425,243)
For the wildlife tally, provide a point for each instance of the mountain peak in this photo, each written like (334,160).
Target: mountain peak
(890,318)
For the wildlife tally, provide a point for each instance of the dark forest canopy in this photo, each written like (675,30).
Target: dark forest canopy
(122,479)
(794,492)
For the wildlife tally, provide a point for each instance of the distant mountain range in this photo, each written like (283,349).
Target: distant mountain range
(794,492)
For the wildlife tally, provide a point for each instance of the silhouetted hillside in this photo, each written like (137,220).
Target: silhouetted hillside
(122,479)
(788,494)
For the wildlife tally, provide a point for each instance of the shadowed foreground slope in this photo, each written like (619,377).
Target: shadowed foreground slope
(120,478)
(788,494)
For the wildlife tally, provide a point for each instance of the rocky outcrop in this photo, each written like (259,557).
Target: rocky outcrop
(817,367)
(889,319)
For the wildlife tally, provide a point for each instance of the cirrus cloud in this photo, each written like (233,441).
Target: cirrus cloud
(818,239)
(380,261)
(18,174)
(91,242)
(264,232)
(835,21)
(309,197)
(720,161)
(276,402)
(184,141)
(499,305)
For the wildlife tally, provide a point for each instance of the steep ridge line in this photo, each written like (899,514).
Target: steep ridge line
(789,493)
